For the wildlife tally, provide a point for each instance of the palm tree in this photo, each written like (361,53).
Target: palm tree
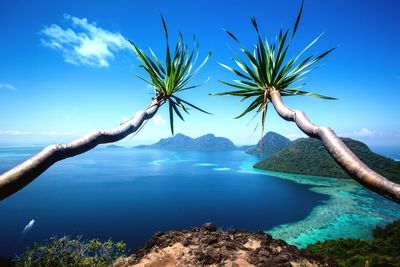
(266,75)
(167,80)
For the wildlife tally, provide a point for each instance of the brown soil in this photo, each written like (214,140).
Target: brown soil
(207,246)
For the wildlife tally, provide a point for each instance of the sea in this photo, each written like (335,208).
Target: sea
(129,194)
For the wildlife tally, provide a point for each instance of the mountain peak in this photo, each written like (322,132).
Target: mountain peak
(271,133)
(272,142)
(179,135)
(206,142)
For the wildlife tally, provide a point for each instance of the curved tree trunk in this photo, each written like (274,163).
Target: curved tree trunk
(338,150)
(21,175)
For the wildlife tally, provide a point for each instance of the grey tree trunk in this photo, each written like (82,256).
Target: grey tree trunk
(21,175)
(338,150)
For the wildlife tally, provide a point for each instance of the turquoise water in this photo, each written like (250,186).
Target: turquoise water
(350,212)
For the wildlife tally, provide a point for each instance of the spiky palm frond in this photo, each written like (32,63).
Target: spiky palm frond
(174,76)
(267,68)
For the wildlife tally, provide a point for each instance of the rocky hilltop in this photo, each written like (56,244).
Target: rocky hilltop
(207,246)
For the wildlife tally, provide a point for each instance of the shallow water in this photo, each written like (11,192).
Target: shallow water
(129,194)
(351,211)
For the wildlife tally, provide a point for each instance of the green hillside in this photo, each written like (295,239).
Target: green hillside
(382,251)
(309,157)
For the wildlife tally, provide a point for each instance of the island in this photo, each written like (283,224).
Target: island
(271,143)
(181,142)
(309,157)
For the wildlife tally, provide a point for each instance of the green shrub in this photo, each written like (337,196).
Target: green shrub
(68,252)
(384,250)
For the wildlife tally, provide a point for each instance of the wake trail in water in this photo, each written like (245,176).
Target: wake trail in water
(27,228)
(24,233)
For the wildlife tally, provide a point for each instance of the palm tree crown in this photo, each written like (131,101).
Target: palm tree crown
(174,76)
(267,68)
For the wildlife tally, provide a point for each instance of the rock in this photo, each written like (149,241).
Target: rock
(186,242)
(209,227)
(207,246)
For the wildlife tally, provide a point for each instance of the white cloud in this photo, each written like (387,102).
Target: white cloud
(14,132)
(8,86)
(364,132)
(158,120)
(84,43)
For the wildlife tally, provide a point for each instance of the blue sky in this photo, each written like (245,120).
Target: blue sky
(66,67)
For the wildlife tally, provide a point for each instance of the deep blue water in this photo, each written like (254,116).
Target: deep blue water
(388,151)
(129,194)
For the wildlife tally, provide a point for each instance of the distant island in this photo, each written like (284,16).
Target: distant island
(270,144)
(309,157)
(181,142)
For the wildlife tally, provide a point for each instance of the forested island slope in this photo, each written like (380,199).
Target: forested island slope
(309,157)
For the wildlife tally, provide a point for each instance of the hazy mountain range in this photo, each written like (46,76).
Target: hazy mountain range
(208,142)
